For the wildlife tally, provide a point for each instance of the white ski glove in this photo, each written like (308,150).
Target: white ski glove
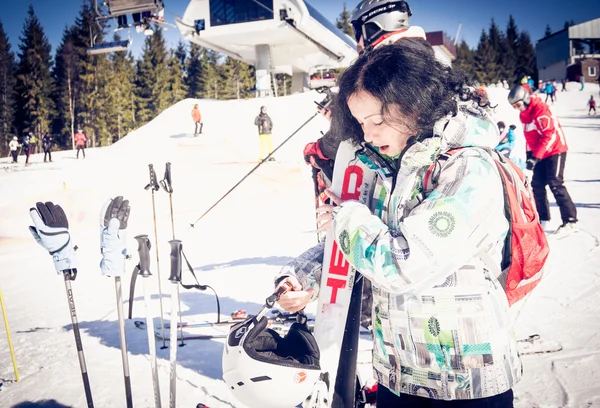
(113,224)
(51,230)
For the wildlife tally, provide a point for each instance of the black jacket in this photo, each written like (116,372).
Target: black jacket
(264,123)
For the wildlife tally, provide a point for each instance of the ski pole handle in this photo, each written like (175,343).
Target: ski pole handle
(283,289)
(144,253)
(166,182)
(176,247)
(153,183)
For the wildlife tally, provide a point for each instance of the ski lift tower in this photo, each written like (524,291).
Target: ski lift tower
(275,36)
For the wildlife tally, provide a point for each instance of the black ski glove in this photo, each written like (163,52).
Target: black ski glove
(531,162)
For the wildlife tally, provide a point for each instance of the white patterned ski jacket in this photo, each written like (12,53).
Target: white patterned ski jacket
(440,317)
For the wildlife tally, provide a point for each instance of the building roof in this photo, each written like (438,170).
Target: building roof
(584,31)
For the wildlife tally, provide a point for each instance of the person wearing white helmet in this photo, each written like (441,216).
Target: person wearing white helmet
(14,148)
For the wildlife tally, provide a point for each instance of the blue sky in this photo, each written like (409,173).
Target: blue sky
(432,15)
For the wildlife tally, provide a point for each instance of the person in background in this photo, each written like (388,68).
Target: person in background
(582,81)
(26,148)
(32,143)
(549,91)
(197,120)
(80,140)
(546,157)
(564,85)
(14,148)
(591,104)
(507,139)
(265,127)
(47,146)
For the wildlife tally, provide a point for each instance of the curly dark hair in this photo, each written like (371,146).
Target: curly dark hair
(404,76)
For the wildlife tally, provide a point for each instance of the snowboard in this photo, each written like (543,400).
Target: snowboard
(337,319)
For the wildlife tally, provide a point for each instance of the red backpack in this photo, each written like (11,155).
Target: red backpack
(525,247)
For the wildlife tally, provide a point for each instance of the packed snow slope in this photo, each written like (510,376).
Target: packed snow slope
(237,248)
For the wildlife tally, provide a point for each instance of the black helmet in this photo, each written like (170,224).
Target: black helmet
(501,125)
(519,94)
(373,18)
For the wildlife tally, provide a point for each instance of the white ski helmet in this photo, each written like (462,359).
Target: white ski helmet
(373,18)
(264,370)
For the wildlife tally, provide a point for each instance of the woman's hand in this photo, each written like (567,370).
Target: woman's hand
(325,212)
(296,299)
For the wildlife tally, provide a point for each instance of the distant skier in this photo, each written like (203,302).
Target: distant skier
(47,146)
(549,91)
(592,105)
(265,127)
(80,140)
(197,118)
(14,148)
(507,139)
(26,148)
(546,156)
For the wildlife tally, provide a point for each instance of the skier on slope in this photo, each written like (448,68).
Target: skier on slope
(546,157)
(442,331)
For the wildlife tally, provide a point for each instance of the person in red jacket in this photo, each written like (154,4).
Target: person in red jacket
(546,156)
(80,140)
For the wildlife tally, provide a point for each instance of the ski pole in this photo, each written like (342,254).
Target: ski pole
(175,279)
(70,275)
(123,340)
(167,185)
(144,267)
(154,185)
(192,225)
(10,345)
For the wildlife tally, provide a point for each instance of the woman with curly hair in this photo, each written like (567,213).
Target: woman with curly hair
(430,236)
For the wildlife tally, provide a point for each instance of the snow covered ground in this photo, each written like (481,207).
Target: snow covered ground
(237,249)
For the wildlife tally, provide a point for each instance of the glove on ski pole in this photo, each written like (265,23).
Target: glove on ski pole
(51,230)
(113,224)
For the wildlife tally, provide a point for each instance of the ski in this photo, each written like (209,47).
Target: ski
(534,344)
(336,323)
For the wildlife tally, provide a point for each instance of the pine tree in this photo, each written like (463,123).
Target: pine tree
(465,60)
(343,22)
(547,31)
(485,64)
(34,83)
(193,79)
(177,88)
(526,62)
(79,83)
(238,79)
(152,84)
(7,94)
(66,75)
(509,51)
(121,90)
(212,75)
(496,38)
(181,56)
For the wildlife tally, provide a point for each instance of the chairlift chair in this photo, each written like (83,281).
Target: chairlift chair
(322,77)
(143,13)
